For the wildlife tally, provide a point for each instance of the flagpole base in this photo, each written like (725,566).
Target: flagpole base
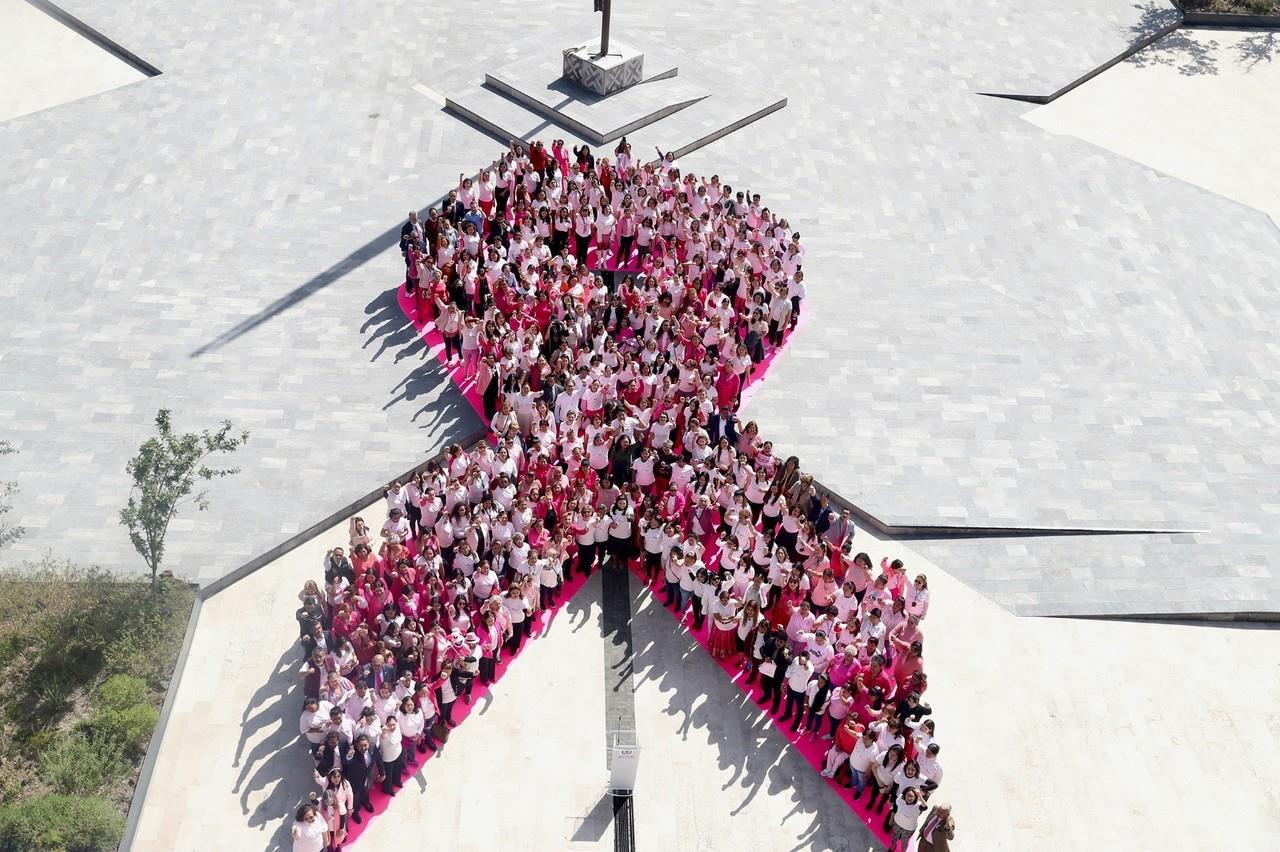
(607,73)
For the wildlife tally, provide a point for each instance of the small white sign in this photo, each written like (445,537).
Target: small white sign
(622,771)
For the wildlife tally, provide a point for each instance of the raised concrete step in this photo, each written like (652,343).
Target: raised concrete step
(505,118)
(537,83)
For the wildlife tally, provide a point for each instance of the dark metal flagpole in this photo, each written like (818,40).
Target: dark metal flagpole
(604,27)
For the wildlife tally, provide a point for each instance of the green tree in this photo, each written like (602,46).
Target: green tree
(9,533)
(165,473)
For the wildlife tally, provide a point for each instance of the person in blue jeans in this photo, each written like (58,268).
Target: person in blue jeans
(671,576)
(688,580)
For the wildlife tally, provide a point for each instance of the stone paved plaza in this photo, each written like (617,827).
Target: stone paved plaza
(1047,368)
(1010,328)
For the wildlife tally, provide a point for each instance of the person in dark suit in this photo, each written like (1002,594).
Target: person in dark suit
(331,753)
(410,232)
(359,768)
(723,424)
(378,672)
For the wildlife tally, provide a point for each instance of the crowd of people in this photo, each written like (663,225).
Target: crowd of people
(609,314)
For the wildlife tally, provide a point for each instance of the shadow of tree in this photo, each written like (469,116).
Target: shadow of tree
(1179,49)
(1257,47)
(1189,52)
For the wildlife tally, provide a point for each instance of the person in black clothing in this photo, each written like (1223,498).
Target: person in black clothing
(774,651)
(909,708)
(452,208)
(337,565)
(410,233)
(359,768)
(308,616)
(331,753)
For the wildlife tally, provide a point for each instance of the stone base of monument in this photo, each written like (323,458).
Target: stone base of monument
(603,73)
(547,93)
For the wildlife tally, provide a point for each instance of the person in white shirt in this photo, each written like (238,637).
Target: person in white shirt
(821,651)
(518,609)
(412,727)
(369,726)
(549,578)
(314,722)
(797,680)
(865,753)
(483,582)
(621,520)
(688,578)
(396,527)
(906,816)
(917,597)
(930,768)
(309,832)
(391,755)
(357,701)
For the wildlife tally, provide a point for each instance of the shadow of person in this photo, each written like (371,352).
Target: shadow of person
(443,402)
(748,746)
(283,678)
(277,761)
(387,325)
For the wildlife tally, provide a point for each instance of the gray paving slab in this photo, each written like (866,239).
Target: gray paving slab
(1042,46)
(1005,327)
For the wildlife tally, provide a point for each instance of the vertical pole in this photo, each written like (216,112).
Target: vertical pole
(604,28)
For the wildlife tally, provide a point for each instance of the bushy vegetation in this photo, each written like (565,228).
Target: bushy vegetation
(86,658)
(1234,7)
(57,823)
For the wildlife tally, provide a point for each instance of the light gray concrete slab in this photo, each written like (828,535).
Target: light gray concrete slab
(1006,327)
(44,63)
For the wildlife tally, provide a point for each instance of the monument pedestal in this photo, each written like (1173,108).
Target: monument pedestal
(607,73)
(636,90)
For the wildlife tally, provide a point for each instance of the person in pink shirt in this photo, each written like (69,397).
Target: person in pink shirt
(845,668)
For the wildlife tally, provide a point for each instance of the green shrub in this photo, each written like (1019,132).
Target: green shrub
(76,765)
(57,823)
(130,727)
(121,691)
(1260,7)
